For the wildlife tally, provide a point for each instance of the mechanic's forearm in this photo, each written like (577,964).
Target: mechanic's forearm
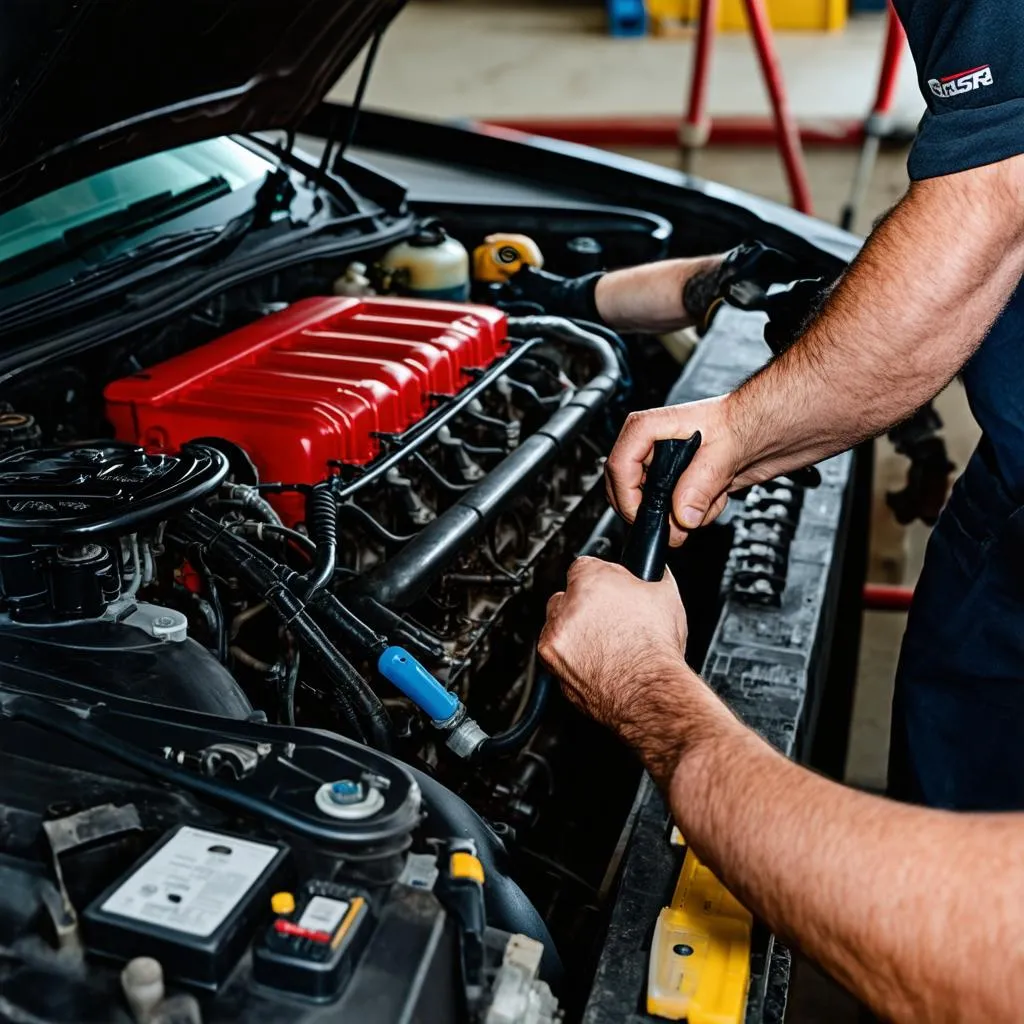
(649,298)
(901,323)
(915,911)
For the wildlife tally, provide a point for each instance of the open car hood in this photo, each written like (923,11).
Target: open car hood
(90,84)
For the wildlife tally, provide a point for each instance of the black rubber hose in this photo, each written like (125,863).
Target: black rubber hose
(309,637)
(322,522)
(513,740)
(340,621)
(251,499)
(356,700)
(380,532)
(425,645)
(348,685)
(299,539)
(621,348)
(646,551)
(508,907)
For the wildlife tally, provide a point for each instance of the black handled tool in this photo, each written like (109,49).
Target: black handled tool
(647,544)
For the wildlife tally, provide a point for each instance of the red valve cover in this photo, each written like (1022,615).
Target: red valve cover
(311,384)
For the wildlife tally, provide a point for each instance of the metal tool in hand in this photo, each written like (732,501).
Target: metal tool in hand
(646,547)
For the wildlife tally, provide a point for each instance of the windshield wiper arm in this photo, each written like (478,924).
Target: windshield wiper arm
(133,219)
(144,214)
(169,250)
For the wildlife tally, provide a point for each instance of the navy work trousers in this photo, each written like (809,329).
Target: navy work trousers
(958,712)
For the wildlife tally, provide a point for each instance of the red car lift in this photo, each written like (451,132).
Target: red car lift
(696,128)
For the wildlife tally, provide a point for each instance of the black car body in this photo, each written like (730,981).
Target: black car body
(194,656)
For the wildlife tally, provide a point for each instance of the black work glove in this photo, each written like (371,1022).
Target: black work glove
(742,279)
(928,476)
(790,310)
(571,297)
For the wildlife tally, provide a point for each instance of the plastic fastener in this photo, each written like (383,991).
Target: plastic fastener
(282,903)
(465,865)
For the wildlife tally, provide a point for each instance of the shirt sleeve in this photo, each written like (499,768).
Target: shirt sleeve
(970,64)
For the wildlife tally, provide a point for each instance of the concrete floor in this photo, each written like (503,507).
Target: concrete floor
(455,58)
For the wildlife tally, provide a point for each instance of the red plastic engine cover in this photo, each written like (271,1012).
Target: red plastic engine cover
(310,384)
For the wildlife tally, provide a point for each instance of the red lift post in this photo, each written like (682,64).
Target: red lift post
(696,127)
(781,129)
(879,120)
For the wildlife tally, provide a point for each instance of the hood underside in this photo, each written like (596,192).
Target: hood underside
(90,84)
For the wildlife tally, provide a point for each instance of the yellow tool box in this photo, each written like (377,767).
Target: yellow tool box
(700,956)
(785,15)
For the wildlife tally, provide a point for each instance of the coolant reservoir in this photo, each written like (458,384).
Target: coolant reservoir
(430,265)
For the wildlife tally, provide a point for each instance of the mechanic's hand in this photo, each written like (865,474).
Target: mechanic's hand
(703,491)
(610,636)
(742,278)
(557,296)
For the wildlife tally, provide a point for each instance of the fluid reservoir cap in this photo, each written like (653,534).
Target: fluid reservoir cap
(430,233)
(282,903)
(368,803)
(347,791)
(17,429)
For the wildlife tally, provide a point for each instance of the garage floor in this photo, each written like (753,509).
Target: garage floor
(458,59)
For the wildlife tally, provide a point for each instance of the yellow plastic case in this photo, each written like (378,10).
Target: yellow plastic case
(700,957)
(785,15)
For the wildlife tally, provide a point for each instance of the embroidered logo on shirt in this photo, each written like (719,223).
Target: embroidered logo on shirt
(961,82)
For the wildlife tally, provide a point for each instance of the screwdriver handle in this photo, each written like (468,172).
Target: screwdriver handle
(646,549)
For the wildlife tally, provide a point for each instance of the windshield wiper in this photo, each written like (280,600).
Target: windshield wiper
(133,219)
(275,194)
(144,214)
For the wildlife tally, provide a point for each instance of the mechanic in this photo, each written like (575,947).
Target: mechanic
(915,910)
(935,292)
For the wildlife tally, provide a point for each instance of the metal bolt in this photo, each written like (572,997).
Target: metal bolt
(163,621)
(347,791)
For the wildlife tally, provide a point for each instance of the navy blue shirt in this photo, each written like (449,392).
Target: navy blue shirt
(970,65)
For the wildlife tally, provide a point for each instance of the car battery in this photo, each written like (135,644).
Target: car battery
(194,903)
(311,947)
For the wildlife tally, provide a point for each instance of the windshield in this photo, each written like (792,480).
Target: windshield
(49,218)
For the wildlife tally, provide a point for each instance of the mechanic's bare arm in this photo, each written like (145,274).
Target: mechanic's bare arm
(881,894)
(649,298)
(900,324)
(915,911)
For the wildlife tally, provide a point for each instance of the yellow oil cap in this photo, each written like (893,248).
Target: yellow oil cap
(465,865)
(501,256)
(282,903)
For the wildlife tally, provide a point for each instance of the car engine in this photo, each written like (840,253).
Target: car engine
(270,598)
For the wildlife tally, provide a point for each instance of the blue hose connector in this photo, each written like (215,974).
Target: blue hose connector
(403,671)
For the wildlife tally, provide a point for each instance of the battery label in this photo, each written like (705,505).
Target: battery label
(193,882)
(323,914)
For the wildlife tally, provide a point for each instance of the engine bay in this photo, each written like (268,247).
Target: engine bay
(327,507)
